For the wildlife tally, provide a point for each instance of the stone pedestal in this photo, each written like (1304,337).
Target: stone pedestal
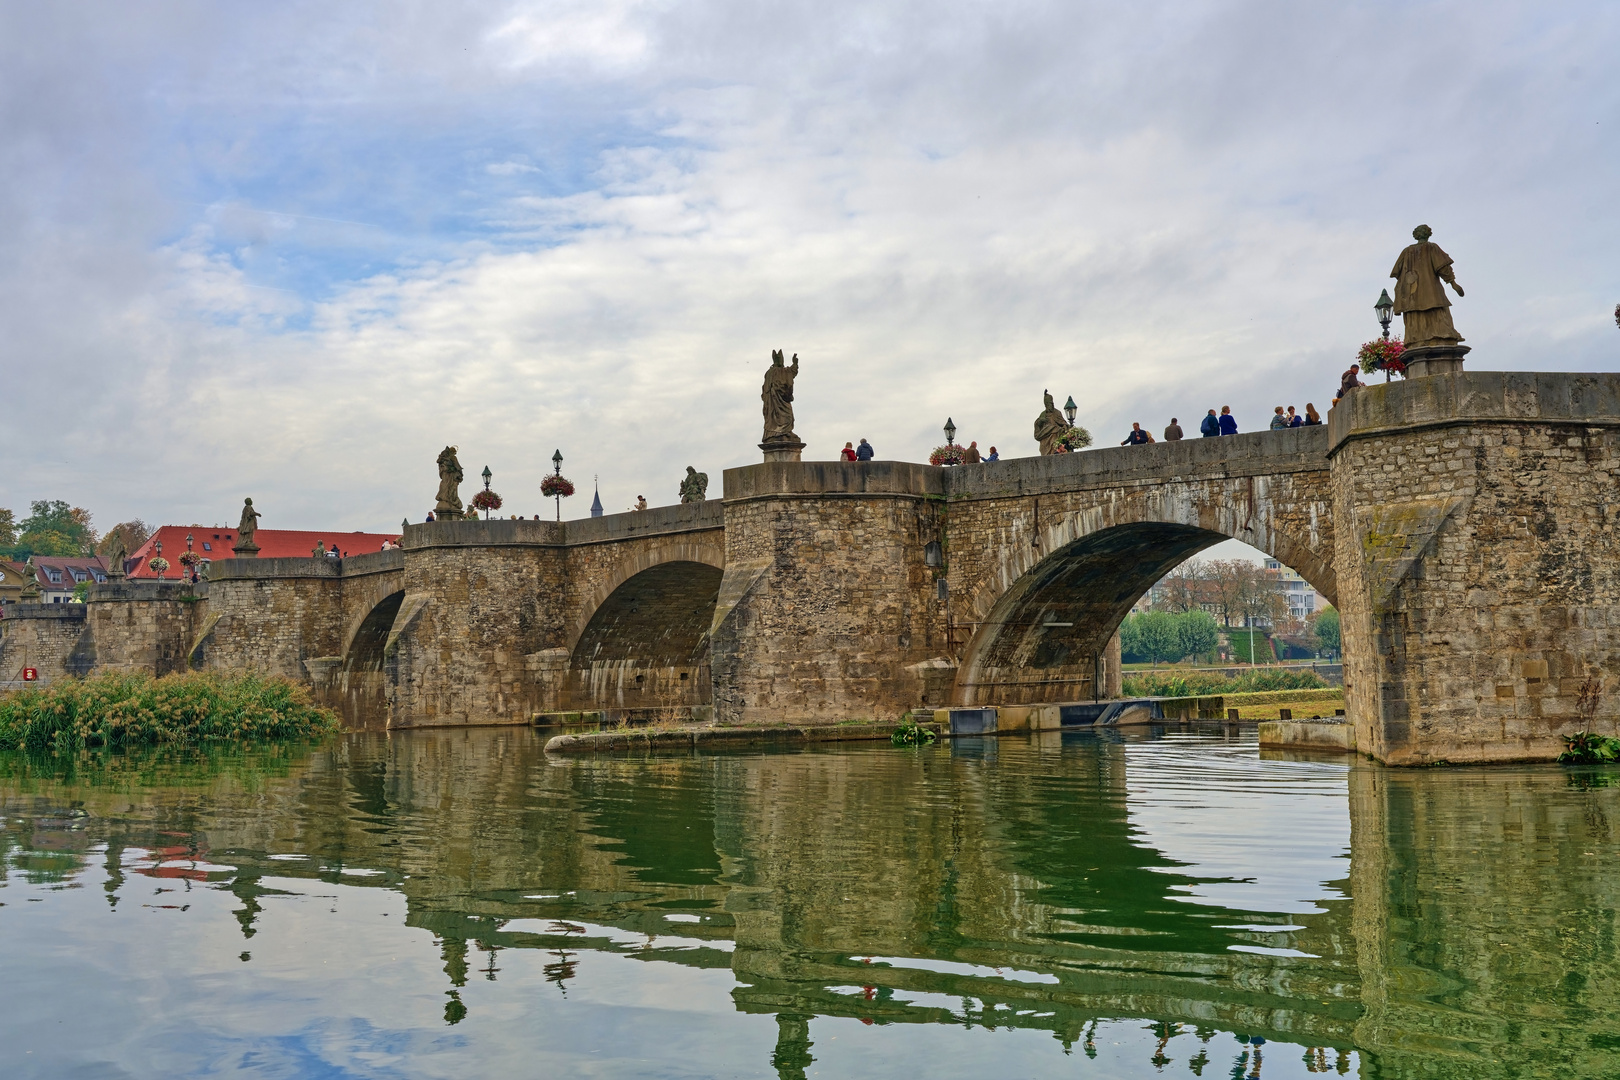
(788,449)
(1424,360)
(248,550)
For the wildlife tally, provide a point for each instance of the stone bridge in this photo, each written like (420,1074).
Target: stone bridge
(1464,524)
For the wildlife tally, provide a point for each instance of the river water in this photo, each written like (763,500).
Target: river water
(456,904)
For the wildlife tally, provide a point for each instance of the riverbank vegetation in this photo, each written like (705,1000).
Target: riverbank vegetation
(132,708)
(1589,748)
(1209,683)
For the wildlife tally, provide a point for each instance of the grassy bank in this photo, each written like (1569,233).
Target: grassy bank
(1304,703)
(122,708)
(1208,683)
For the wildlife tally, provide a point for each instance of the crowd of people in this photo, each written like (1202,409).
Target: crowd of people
(1216,424)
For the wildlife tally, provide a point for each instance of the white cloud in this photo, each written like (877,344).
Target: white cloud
(943,211)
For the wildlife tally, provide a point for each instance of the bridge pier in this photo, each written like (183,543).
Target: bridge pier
(1476,553)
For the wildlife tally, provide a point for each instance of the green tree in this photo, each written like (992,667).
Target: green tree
(55,528)
(1326,629)
(8,529)
(1160,636)
(1199,633)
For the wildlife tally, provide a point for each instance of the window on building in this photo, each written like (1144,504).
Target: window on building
(207,546)
(79,575)
(55,576)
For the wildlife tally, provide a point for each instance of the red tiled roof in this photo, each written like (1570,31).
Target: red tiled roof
(65,565)
(214,543)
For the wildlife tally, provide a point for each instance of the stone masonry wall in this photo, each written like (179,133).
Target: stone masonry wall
(46,637)
(144,625)
(271,616)
(1478,549)
(829,599)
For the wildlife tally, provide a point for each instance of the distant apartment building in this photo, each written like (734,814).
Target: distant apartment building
(1303,600)
(57,576)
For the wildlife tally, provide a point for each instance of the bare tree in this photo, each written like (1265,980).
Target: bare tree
(1183,588)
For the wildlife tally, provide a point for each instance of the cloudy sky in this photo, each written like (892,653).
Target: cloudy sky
(292,250)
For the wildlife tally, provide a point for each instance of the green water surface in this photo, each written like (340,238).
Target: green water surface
(456,904)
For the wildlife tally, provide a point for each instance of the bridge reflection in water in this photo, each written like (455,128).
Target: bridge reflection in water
(1170,889)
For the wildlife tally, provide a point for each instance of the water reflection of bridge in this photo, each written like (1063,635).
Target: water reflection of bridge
(944,869)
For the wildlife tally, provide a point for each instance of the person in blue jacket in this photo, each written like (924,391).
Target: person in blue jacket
(1228,421)
(864,452)
(1211,426)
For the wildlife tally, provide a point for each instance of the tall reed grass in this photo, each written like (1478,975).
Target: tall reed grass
(1205,684)
(130,708)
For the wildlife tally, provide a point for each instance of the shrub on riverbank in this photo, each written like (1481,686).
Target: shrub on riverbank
(1589,748)
(126,708)
(1207,684)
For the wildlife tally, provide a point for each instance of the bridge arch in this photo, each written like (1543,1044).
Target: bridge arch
(642,637)
(362,685)
(1048,607)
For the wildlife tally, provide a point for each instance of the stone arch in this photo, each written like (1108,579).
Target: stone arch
(643,558)
(1047,609)
(645,641)
(361,683)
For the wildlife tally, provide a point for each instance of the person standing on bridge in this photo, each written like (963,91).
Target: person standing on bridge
(1228,421)
(970,456)
(864,452)
(1173,432)
(1137,437)
(1278,420)
(847,453)
(1312,417)
(1211,427)
(995,455)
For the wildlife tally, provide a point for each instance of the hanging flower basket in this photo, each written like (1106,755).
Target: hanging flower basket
(158,565)
(1075,438)
(556,487)
(189,558)
(947,455)
(486,501)
(1381,355)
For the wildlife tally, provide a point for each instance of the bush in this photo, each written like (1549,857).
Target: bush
(1161,636)
(1210,683)
(1589,748)
(126,708)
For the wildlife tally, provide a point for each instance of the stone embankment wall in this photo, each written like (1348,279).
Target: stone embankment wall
(45,637)
(1478,552)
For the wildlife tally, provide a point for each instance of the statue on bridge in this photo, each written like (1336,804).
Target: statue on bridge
(244,547)
(780,443)
(448,506)
(777,394)
(695,488)
(117,554)
(1421,273)
(1050,427)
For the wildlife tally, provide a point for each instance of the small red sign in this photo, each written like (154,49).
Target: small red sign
(30,674)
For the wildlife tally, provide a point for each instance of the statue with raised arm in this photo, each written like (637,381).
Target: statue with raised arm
(1049,427)
(695,488)
(1420,296)
(244,547)
(448,506)
(777,395)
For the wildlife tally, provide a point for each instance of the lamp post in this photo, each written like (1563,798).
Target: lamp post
(1070,409)
(950,432)
(487,475)
(1386,311)
(556,469)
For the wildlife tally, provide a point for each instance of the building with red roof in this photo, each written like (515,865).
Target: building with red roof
(212,543)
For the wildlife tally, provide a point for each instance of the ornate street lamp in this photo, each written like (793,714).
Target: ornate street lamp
(950,432)
(1386,311)
(556,486)
(1070,409)
(487,475)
